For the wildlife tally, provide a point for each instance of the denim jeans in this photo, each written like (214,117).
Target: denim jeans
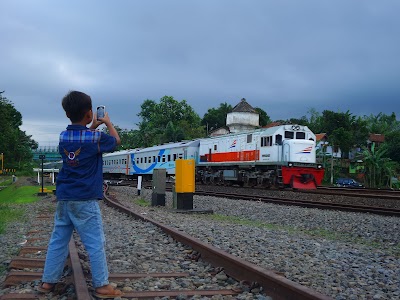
(85,217)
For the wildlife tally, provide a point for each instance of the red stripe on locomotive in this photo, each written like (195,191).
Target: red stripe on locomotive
(250,155)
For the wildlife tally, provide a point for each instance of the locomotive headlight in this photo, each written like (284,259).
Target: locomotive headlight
(319,166)
(295,127)
(290,164)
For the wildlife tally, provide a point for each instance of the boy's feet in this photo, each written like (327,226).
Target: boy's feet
(46,287)
(107,291)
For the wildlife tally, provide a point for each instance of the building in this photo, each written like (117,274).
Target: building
(243,117)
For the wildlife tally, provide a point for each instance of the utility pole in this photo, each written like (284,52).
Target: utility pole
(42,157)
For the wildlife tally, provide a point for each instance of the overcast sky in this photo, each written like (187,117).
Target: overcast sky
(284,56)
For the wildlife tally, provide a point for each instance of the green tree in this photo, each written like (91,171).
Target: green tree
(264,118)
(382,123)
(14,143)
(173,133)
(392,140)
(156,117)
(346,130)
(216,117)
(379,168)
(389,126)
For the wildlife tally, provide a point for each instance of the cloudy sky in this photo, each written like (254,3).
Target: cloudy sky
(284,56)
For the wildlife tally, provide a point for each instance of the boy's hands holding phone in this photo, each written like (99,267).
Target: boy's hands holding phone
(100,117)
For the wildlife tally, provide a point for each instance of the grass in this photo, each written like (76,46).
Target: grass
(142,202)
(11,199)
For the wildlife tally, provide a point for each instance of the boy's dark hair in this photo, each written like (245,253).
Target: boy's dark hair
(76,105)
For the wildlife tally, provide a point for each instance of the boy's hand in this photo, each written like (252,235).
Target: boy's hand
(96,122)
(105,120)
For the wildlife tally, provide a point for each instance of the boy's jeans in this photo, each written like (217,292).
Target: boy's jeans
(85,217)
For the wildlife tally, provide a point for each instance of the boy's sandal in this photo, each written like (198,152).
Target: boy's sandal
(41,289)
(110,295)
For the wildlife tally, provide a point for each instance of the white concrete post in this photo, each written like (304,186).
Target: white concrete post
(52,176)
(139,184)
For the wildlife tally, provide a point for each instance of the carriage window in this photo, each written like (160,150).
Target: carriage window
(154,158)
(159,158)
(266,141)
(215,147)
(180,155)
(169,157)
(174,157)
(163,158)
(300,135)
(249,138)
(145,160)
(278,139)
(289,134)
(137,160)
(141,160)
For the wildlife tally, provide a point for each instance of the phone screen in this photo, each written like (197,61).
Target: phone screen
(100,112)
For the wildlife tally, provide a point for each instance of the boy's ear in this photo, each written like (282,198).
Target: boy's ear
(89,115)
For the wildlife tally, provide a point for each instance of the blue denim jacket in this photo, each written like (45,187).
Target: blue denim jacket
(81,176)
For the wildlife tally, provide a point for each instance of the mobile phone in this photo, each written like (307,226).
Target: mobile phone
(100,112)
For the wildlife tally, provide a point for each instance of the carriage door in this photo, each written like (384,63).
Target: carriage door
(285,151)
(278,143)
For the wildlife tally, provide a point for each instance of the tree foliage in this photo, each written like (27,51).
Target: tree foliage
(379,169)
(15,144)
(264,118)
(382,123)
(216,117)
(167,121)
(344,130)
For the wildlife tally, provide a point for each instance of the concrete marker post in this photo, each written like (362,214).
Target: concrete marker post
(139,185)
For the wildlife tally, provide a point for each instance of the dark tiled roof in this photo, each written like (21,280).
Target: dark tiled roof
(320,136)
(378,138)
(243,106)
(273,124)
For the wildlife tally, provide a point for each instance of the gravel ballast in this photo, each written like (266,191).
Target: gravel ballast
(342,255)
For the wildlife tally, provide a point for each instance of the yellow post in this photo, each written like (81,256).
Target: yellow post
(184,183)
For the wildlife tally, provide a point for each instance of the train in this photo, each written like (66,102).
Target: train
(278,156)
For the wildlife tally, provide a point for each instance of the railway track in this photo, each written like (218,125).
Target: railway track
(306,203)
(372,209)
(384,194)
(356,192)
(26,267)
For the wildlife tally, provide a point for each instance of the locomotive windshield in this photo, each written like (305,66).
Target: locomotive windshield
(300,135)
(289,135)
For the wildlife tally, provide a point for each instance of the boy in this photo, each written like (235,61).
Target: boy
(79,187)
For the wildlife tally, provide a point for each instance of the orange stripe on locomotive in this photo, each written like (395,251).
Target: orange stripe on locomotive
(251,155)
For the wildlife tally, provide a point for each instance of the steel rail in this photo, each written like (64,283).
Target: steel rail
(273,284)
(309,204)
(356,192)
